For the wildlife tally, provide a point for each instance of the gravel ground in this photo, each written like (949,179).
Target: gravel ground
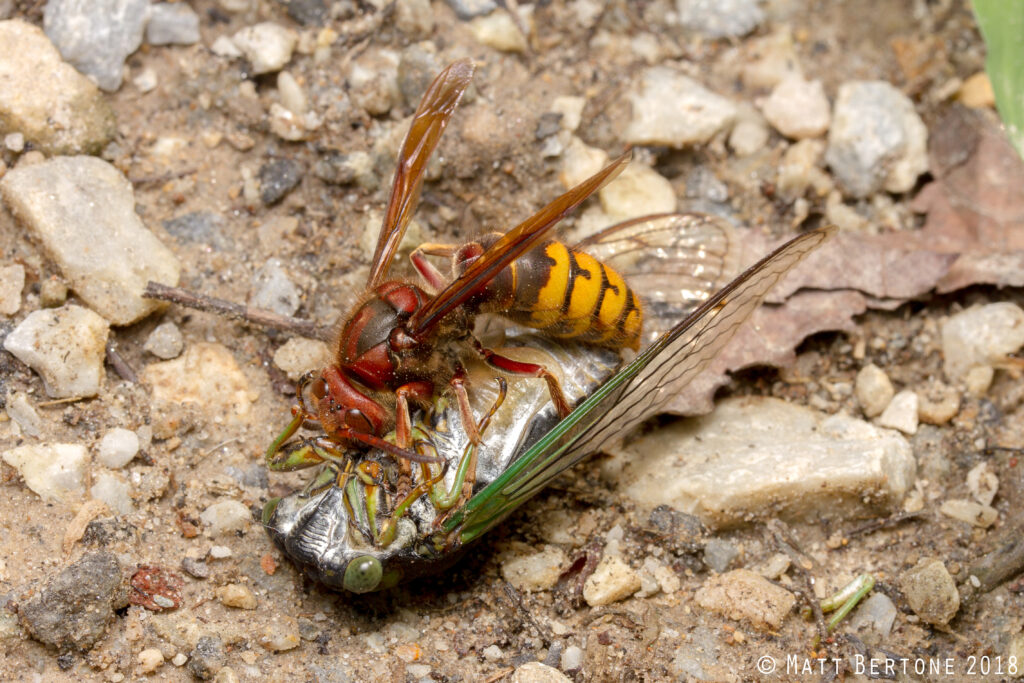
(258,140)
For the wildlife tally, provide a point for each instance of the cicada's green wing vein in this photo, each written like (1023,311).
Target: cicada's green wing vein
(636,392)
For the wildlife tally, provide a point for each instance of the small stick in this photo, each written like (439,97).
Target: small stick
(120,365)
(877,524)
(781,536)
(229,309)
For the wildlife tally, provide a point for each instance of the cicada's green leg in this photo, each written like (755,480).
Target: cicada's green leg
(298,457)
(302,454)
(388,529)
(843,601)
(465,475)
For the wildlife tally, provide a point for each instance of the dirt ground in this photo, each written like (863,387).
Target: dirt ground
(492,175)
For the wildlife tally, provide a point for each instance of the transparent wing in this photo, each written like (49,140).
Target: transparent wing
(673,261)
(637,391)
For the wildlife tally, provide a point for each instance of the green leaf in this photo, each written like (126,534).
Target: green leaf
(1002,26)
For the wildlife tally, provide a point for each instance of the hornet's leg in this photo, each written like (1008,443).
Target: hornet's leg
(431,275)
(530,370)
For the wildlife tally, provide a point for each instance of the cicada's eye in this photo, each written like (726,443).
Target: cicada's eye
(268,510)
(363,574)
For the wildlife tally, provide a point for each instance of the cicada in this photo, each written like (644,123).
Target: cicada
(403,343)
(355,528)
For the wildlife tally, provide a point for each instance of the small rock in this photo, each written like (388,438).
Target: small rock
(272,290)
(983,483)
(172,24)
(117,448)
(901,413)
(570,111)
(931,592)
(15,142)
(113,491)
(51,470)
(206,375)
(799,170)
(638,191)
(267,46)
(770,59)
(534,571)
(179,659)
(720,18)
(672,109)
(873,620)
(300,355)
(417,68)
(981,336)
(719,554)
(165,341)
(278,178)
(238,596)
(750,133)
(308,12)
(199,227)
(978,380)
(492,653)
(774,567)
(66,346)
(756,457)
(207,658)
(976,92)
(373,81)
(579,162)
(797,108)
(341,169)
(281,635)
(197,569)
(226,675)
(572,659)
(293,97)
(149,660)
(877,140)
(12,281)
(219,552)
(742,595)
(74,609)
(499,31)
(96,36)
(938,404)
(52,293)
(414,18)
(225,47)
(21,410)
(468,9)
(970,512)
(66,202)
(535,672)
(145,80)
(225,517)
(612,580)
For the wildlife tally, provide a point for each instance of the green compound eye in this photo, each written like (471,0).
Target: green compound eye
(363,574)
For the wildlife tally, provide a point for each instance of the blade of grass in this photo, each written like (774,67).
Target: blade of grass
(1002,26)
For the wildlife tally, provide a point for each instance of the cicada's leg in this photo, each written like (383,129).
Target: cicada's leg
(458,385)
(416,391)
(387,530)
(431,275)
(516,367)
(303,453)
(465,475)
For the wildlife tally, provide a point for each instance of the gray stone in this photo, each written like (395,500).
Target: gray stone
(756,457)
(96,36)
(877,141)
(873,620)
(207,658)
(73,611)
(720,18)
(172,24)
(197,569)
(572,658)
(931,592)
(278,178)
(82,210)
(417,68)
(670,108)
(308,12)
(225,517)
(467,9)
(719,554)
(272,290)
(66,346)
(414,18)
(56,108)
(200,227)
(165,341)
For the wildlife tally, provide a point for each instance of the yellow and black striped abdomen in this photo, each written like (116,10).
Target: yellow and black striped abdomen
(571,295)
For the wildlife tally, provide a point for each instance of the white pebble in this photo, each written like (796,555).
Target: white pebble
(638,191)
(874,390)
(797,108)
(267,46)
(150,660)
(493,653)
(534,571)
(901,413)
(981,336)
(971,512)
(612,580)
(299,355)
(571,109)
(117,448)
(66,346)
(572,658)
(113,491)
(51,470)
(179,659)
(21,410)
(220,552)
(293,97)
(225,517)
(672,109)
(165,341)
(12,282)
(983,483)
(145,80)
(14,142)
(497,30)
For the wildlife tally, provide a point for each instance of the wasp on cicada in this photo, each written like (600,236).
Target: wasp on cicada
(402,344)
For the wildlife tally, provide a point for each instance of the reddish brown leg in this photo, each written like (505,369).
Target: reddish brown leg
(403,427)
(427,271)
(458,385)
(530,370)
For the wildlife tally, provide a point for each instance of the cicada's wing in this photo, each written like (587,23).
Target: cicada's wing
(428,123)
(636,392)
(673,261)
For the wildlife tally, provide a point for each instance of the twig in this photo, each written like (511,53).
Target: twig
(780,533)
(120,365)
(877,524)
(229,309)
(59,401)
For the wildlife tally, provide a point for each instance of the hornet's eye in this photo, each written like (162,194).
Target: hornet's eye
(363,574)
(358,422)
